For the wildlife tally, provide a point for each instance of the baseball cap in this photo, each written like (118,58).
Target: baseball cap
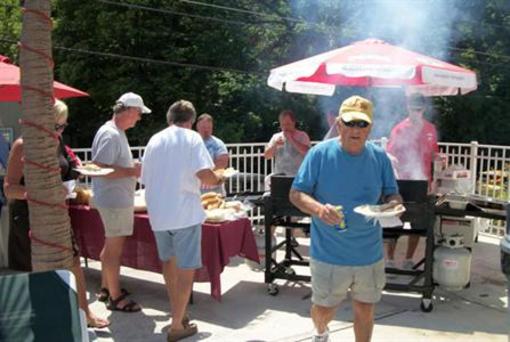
(133,100)
(356,108)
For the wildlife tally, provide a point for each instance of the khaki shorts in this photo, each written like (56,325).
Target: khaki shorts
(330,283)
(117,221)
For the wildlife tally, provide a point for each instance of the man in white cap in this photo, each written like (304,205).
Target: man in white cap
(346,251)
(114,194)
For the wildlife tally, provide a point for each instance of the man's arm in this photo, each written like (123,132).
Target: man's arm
(221,162)
(395,198)
(12,181)
(275,142)
(307,204)
(269,151)
(122,172)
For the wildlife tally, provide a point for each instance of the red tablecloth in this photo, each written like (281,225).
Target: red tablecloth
(220,242)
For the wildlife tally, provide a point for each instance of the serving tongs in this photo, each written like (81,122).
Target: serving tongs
(440,199)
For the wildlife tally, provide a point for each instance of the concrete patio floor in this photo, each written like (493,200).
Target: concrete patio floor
(248,313)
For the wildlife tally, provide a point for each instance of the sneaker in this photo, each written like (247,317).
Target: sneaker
(408,264)
(321,338)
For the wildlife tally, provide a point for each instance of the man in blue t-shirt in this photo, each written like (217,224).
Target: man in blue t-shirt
(346,250)
(216,148)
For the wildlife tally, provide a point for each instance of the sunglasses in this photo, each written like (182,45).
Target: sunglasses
(358,123)
(417,109)
(62,126)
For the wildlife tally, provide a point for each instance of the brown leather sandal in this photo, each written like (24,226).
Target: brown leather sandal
(131,306)
(176,335)
(104,294)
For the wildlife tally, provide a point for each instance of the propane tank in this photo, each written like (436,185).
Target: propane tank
(452,264)
(260,241)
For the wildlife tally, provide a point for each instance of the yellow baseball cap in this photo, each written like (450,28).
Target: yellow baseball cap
(356,108)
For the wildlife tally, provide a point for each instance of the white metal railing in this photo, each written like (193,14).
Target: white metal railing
(489,166)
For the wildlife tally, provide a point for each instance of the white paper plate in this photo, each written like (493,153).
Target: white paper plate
(374,211)
(94,173)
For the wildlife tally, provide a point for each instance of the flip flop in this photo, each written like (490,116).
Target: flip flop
(98,323)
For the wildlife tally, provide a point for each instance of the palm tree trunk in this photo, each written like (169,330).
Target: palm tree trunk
(49,221)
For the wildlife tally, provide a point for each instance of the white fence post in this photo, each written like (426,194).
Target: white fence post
(473,162)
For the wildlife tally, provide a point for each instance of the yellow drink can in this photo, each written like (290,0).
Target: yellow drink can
(340,209)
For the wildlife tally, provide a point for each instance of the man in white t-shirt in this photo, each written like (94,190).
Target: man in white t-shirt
(114,194)
(175,163)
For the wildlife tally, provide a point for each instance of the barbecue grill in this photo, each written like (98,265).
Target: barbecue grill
(420,216)
(278,211)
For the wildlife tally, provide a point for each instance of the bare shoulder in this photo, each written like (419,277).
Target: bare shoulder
(17,146)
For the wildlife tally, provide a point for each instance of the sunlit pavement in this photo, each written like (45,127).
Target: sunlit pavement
(248,313)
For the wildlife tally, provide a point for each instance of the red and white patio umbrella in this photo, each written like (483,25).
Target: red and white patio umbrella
(10,88)
(372,63)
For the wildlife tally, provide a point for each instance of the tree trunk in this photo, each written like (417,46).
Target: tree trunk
(49,224)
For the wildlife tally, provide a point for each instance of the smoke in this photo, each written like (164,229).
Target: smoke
(423,26)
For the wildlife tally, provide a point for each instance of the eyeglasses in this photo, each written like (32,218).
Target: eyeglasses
(59,127)
(358,123)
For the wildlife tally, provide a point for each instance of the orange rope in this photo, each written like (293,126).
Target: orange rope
(40,91)
(40,127)
(51,133)
(43,15)
(48,204)
(42,166)
(47,243)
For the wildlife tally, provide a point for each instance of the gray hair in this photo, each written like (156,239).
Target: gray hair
(180,112)
(205,116)
(119,108)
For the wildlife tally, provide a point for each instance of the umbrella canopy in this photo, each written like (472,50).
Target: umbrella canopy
(10,89)
(372,63)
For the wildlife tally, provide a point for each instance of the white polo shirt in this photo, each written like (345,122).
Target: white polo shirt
(172,190)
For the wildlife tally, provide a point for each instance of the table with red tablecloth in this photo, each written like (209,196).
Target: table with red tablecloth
(220,242)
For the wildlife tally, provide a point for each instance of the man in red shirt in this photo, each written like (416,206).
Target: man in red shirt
(413,142)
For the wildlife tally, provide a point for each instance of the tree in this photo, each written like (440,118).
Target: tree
(49,220)
(224,60)
(219,57)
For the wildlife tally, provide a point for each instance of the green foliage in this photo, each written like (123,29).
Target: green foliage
(10,27)
(483,115)
(231,86)
(220,59)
